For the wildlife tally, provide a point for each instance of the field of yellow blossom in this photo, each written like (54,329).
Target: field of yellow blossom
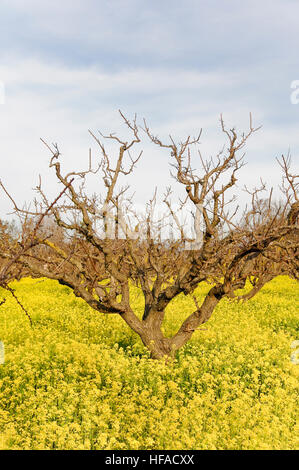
(82,380)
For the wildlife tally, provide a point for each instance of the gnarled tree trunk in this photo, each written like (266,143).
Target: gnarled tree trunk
(165,347)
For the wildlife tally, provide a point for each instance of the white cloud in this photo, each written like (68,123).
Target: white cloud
(60,103)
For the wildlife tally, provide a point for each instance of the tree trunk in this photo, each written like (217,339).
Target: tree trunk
(149,329)
(158,345)
(152,336)
(198,317)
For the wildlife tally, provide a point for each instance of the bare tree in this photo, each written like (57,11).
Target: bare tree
(14,247)
(100,266)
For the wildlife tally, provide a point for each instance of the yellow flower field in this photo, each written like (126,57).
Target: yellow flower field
(82,380)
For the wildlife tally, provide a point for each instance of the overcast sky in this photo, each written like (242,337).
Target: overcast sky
(69,66)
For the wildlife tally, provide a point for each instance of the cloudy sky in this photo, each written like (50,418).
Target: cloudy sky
(69,66)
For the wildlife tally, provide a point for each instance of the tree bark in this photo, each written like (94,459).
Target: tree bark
(152,337)
(149,329)
(197,318)
(160,348)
